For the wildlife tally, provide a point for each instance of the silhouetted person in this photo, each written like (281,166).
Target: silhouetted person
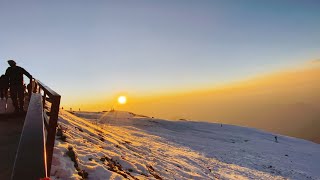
(276,139)
(15,74)
(29,88)
(4,85)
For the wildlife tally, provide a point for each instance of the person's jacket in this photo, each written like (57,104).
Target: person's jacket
(4,82)
(15,75)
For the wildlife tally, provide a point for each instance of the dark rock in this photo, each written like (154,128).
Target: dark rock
(83,174)
(103,159)
(72,156)
(63,138)
(59,132)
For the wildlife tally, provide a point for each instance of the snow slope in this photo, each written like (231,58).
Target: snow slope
(122,145)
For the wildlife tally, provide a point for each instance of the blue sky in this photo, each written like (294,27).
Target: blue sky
(108,47)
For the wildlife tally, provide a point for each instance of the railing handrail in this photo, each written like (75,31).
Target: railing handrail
(30,162)
(47,90)
(37,111)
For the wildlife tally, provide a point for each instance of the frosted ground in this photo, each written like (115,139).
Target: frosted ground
(122,145)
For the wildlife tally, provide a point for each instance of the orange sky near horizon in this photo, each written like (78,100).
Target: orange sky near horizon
(147,104)
(286,102)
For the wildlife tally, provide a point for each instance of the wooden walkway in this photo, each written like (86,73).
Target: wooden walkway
(10,130)
(27,139)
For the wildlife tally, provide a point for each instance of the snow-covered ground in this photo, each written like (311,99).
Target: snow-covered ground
(122,145)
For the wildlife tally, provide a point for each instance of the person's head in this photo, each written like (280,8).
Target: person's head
(12,63)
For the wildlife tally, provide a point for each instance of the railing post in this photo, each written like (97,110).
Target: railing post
(30,88)
(34,87)
(54,113)
(44,99)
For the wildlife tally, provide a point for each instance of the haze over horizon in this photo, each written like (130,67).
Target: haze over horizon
(286,102)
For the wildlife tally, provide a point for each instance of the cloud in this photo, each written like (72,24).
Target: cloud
(315,61)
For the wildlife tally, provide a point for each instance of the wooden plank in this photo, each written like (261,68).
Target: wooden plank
(3,105)
(10,131)
(30,162)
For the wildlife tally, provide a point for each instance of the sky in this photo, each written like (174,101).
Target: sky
(95,51)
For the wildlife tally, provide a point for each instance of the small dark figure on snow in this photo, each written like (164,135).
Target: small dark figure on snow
(15,74)
(276,139)
(4,85)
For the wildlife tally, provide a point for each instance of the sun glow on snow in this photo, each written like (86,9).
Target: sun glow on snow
(122,99)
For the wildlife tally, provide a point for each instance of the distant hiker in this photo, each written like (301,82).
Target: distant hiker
(4,85)
(276,139)
(15,74)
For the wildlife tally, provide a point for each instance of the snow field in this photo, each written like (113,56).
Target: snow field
(122,145)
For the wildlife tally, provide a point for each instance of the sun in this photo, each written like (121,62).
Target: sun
(122,99)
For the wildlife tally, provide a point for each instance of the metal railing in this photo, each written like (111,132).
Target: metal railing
(34,155)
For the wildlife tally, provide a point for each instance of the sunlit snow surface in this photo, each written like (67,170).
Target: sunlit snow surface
(122,145)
